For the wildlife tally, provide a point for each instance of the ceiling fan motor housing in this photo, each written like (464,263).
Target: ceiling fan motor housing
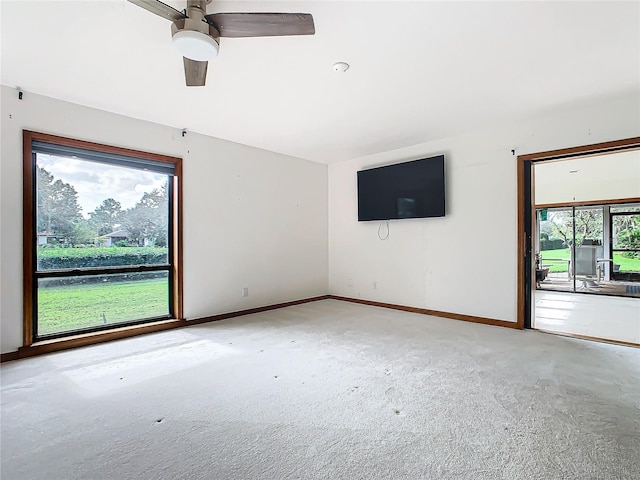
(193,36)
(196,34)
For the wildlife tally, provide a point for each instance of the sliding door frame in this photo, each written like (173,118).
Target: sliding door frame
(526,211)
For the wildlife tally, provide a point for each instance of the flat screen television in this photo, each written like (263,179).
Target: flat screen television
(412,189)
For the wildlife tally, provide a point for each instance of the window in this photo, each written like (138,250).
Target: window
(101,237)
(625,229)
(589,249)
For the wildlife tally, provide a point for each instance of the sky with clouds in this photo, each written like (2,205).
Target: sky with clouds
(96,182)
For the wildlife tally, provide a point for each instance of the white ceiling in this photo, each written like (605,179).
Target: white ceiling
(597,177)
(419,70)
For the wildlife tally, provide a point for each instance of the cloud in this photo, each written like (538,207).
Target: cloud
(96,182)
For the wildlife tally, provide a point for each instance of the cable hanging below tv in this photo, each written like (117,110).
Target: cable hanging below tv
(414,189)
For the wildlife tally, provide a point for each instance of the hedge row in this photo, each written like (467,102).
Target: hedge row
(555,244)
(58,258)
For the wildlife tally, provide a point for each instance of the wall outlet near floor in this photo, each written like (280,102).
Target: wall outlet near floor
(350,282)
(375,285)
(245,292)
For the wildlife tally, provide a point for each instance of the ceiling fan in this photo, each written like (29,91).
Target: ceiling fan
(197,35)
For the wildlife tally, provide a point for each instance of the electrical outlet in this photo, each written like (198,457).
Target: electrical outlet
(350,282)
(245,292)
(375,285)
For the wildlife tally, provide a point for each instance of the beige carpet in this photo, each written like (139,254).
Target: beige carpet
(326,390)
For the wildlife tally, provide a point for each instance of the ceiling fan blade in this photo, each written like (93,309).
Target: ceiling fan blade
(236,25)
(195,73)
(159,8)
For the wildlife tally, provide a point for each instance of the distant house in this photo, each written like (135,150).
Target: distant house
(113,238)
(45,238)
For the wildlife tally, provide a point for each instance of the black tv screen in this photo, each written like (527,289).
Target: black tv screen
(405,190)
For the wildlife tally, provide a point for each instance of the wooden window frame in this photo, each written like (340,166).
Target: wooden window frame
(74,339)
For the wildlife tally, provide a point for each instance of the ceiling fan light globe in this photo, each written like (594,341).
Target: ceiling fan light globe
(196,45)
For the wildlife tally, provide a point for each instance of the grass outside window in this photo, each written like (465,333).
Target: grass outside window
(627,264)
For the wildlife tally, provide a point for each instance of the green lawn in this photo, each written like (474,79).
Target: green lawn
(626,264)
(563,254)
(63,308)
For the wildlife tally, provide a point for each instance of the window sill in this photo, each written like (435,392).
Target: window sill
(81,340)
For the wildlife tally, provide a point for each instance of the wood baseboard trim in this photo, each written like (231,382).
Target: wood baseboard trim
(435,313)
(587,337)
(49,346)
(249,311)
(9,356)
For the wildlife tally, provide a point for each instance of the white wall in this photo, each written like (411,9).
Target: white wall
(465,262)
(601,177)
(257,219)
(252,218)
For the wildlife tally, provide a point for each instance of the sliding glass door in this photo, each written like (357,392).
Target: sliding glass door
(591,249)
